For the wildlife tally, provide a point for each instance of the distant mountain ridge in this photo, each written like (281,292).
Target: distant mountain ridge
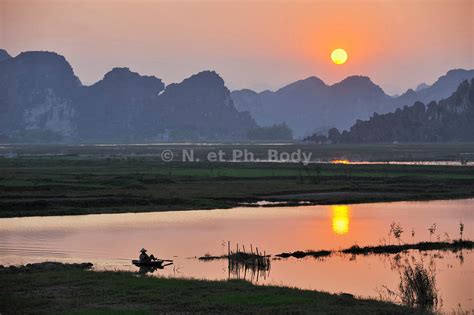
(310,104)
(442,88)
(451,119)
(41,99)
(421,86)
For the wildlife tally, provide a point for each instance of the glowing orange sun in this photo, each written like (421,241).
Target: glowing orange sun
(339,56)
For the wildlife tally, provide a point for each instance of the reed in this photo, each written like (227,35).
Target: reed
(418,287)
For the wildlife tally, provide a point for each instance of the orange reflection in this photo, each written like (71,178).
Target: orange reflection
(340,219)
(340,162)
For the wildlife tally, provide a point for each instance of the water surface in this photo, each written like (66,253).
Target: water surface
(110,241)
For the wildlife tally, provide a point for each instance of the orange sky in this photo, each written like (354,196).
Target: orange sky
(255,44)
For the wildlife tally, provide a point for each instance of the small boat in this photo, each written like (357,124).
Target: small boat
(153,263)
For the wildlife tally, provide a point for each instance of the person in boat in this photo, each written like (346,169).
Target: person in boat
(144,256)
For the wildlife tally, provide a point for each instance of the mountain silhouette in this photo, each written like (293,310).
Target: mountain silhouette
(421,86)
(4,55)
(41,99)
(112,109)
(450,119)
(310,104)
(37,90)
(445,85)
(200,107)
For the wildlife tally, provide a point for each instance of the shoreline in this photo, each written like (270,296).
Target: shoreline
(284,203)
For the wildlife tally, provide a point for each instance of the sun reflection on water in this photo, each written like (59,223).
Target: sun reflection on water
(340,219)
(340,162)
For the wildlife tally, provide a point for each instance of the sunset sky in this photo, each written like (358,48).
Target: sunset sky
(251,44)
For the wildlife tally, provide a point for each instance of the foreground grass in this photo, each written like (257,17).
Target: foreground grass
(82,185)
(67,289)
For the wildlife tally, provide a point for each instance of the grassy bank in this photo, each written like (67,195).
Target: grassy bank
(55,289)
(82,185)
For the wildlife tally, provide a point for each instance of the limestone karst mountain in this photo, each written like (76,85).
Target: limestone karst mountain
(42,100)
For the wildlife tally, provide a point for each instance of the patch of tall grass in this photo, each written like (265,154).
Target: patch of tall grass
(417,286)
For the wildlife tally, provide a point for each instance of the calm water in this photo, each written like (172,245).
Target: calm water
(110,241)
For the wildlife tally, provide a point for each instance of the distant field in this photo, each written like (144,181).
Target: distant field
(58,185)
(360,152)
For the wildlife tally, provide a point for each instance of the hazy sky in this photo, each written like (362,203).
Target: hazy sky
(254,44)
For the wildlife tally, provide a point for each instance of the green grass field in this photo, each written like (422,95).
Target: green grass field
(65,289)
(79,185)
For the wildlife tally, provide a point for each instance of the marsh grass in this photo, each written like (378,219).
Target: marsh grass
(302,254)
(417,286)
(455,245)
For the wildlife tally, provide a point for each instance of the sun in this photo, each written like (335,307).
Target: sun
(339,56)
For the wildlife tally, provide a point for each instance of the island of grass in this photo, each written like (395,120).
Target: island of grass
(54,288)
(71,185)
(455,245)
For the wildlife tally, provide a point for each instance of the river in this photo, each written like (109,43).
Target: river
(110,241)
